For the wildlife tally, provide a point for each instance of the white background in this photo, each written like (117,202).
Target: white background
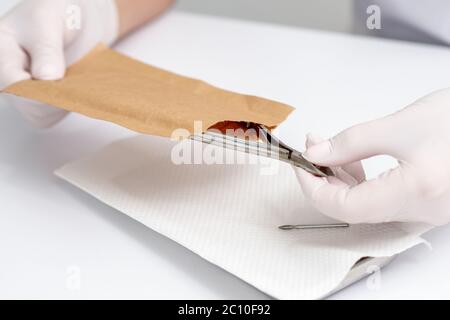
(318,14)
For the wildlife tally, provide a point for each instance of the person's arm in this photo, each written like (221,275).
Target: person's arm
(134,13)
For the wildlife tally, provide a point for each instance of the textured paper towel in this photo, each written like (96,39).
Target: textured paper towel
(229,214)
(110,86)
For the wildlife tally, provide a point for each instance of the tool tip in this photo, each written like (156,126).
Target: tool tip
(286,227)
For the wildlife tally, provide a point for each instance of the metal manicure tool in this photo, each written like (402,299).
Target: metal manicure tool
(313,226)
(268,146)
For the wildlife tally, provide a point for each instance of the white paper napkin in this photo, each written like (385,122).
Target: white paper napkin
(229,214)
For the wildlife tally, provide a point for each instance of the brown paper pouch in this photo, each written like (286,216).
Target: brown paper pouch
(110,86)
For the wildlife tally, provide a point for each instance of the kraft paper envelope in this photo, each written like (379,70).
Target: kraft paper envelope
(110,86)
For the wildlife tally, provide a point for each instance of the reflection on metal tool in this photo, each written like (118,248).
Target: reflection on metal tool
(269,147)
(314,226)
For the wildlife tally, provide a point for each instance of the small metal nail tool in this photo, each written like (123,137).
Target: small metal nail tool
(313,226)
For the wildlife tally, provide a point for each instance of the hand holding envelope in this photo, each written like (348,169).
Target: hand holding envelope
(109,86)
(39,38)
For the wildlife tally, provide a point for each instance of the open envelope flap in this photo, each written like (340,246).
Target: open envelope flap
(110,86)
(229,214)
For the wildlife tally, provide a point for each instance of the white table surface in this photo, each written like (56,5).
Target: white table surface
(51,232)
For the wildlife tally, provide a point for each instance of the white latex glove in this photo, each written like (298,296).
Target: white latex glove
(39,38)
(417,190)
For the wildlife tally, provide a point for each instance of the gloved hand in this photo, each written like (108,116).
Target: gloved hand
(418,190)
(39,38)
